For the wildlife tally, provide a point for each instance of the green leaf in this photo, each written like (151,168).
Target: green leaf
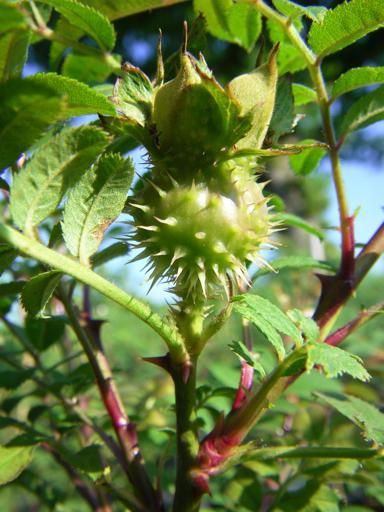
(345,24)
(355,78)
(268,319)
(306,325)
(362,413)
(11,288)
(365,111)
(38,291)
(95,202)
(80,98)
(8,294)
(85,68)
(115,250)
(297,222)
(289,58)
(283,114)
(308,160)
(312,497)
(88,460)
(13,461)
(237,23)
(243,353)
(295,263)
(44,332)
(13,53)
(293,10)
(39,187)
(88,19)
(335,361)
(26,110)
(115,9)
(11,18)
(12,379)
(303,94)
(7,256)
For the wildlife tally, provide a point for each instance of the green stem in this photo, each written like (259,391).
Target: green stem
(314,68)
(187,498)
(238,422)
(38,251)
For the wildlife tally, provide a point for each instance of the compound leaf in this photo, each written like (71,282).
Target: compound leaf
(306,325)
(345,24)
(80,99)
(365,111)
(38,291)
(362,413)
(88,19)
(94,203)
(268,319)
(355,78)
(13,460)
(335,361)
(39,187)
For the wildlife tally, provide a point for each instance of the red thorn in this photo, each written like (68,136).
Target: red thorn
(186,371)
(161,361)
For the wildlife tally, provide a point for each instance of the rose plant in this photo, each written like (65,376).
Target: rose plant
(201,217)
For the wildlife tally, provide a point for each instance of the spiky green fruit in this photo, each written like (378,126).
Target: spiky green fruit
(199,214)
(200,235)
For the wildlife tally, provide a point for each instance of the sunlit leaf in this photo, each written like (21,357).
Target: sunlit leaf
(362,413)
(335,361)
(94,203)
(88,19)
(13,460)
(80,99)
(367,110)
(357,77)
(345,24)
(39,187)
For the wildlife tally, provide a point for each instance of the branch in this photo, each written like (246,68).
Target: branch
(124,429)
(364,316)
(67,265)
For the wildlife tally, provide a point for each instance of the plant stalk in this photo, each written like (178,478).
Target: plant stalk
(69,266)
(124,429)
(187,496)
